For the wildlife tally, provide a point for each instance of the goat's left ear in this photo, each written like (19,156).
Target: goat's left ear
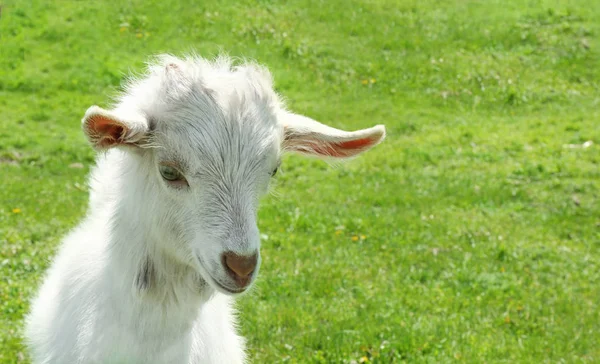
(105,129)
(307,136)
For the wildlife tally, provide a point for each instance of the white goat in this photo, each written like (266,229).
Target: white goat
(171,232)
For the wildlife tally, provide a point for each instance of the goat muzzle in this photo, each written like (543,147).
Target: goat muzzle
(240,267)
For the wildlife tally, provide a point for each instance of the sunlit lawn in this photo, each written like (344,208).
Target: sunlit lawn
(471,234)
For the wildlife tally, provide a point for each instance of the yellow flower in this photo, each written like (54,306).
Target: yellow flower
(123,29)
(363,237)
(364,82)
(139,35)
(16,210)
(338,232)
(355,238)
(373,80)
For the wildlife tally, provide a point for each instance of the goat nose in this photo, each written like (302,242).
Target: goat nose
(240,267)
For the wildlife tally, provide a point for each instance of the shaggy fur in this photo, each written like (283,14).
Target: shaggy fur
(142,279)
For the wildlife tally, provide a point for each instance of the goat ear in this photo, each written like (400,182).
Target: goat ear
(105,129)
(307,136)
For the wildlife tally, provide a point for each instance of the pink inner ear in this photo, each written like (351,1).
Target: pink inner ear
(341,149)
(107,131)
(356,144)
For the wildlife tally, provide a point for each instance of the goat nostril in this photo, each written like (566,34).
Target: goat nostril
(241,266)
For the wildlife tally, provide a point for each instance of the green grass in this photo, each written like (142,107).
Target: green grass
(472,234)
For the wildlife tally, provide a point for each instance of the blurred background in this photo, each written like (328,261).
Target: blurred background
(472,234)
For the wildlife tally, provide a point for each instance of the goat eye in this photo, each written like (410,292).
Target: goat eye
(169,173)
(274,171)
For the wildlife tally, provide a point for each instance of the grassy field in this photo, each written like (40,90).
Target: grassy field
(472,234)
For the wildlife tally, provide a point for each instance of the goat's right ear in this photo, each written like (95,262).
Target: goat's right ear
(105,129)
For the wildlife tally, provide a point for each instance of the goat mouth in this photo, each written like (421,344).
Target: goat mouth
(214,282)
(229,290)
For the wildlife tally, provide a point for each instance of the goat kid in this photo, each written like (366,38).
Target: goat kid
(171,235)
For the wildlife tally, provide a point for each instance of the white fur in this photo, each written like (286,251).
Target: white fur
(140,280)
